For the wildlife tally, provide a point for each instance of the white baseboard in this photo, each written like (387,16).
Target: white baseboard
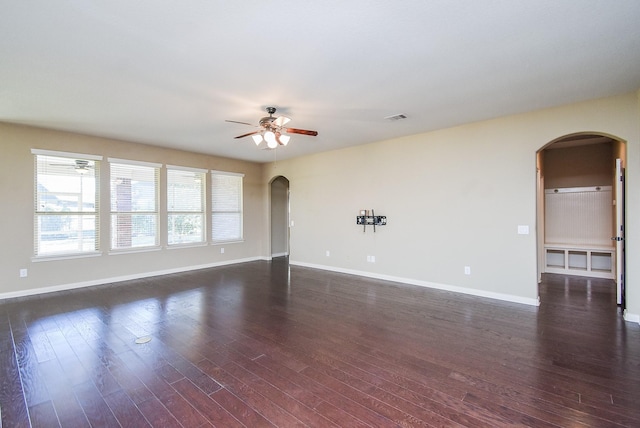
(499,296)
(445,287)
(279,255)
(102,281)
(631,317)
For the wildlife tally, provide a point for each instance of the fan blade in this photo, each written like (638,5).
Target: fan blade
(247,134)
(302,131)
(281,120)
(242,123)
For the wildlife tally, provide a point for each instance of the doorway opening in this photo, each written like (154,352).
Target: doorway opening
(580,208)
(279,187)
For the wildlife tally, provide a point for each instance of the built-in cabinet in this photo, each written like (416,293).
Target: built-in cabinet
(575,260)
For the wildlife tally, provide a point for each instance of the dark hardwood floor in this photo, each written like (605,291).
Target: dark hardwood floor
(262,344)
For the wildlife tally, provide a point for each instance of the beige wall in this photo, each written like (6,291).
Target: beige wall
(453,198)
(16,219)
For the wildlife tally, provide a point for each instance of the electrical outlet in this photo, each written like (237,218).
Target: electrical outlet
(23,273)
(371,259)
(222,250)
(467,270)
(328,253)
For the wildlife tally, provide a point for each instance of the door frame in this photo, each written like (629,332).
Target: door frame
(278,224)
(619,151)
(619,232)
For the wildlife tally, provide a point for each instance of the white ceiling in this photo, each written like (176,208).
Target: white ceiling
(169,72)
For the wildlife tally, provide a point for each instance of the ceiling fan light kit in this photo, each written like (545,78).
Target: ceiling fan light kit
(272,130)
(81,166)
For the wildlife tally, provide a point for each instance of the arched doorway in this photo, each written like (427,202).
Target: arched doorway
(279,187)
(580,199)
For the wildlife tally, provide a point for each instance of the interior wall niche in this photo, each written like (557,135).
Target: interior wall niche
(578,206)
(279,217)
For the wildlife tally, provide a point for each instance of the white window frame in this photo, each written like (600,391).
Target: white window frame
(40,212)
(114,213)
(171,211)
(229,212)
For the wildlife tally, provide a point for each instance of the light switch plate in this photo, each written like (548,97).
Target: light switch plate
(523,229)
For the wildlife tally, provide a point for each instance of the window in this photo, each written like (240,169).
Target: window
(134,204)
(226,206)
(185,205)
(66,203)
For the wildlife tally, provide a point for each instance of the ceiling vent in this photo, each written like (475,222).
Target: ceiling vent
(396,117)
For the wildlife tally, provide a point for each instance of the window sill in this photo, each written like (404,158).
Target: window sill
(133,250)
(187,245)
(69,256)
(235,241)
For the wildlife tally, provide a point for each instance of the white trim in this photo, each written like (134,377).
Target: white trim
(65,154)
(47,258)
(445,287)
(578,189)
(231,241)
(237,174)
(186,245)
(187,168)
(133,250)
(631,317)
(134,162)
(279,254)
(72,286)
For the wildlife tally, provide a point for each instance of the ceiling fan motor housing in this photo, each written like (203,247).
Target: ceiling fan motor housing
(267,121)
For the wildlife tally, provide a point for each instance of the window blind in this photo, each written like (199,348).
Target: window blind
(185,206)
(226,206)
(67,195)
(134,204)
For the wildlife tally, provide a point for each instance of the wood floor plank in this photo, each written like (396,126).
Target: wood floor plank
(125,410)
(269,405)
(68,409)
(213,411)
(300,403)
(157,414)
(386,411)
(239,409)
(267,344)
(96,409)
(43,415)
(13,407)
(34,387)
(183,411)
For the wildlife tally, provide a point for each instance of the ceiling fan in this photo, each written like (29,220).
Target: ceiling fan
(80,165)
(272,130)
